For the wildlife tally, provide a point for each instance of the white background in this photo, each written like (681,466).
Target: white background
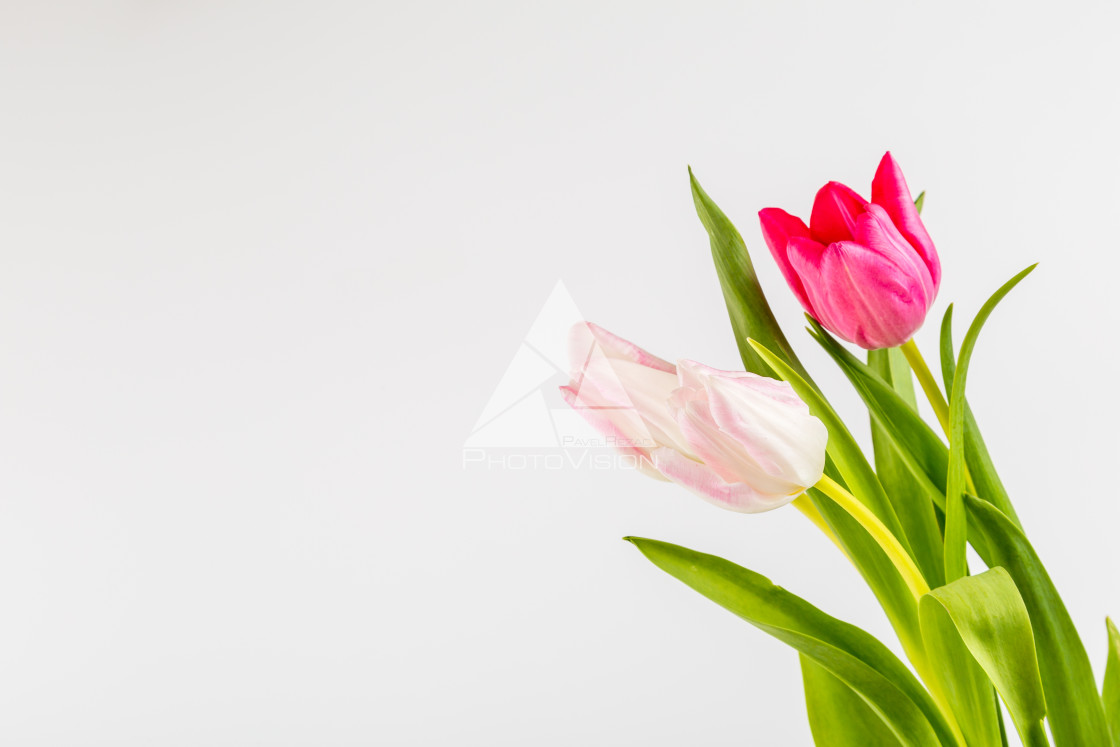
(264,263)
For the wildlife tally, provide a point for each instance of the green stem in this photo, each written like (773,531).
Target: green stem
(869,521)
(929,384)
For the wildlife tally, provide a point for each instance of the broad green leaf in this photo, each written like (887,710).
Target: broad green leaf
(979,461)
(838,717)
(956,523)
(750,314)
(985,614)
(1073,705)
(1110,694)
(850,654)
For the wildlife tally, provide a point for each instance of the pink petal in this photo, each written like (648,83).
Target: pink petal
(889,189)
(862,296)
(634,393)
(778,227)
(771,424)
(704,482)
(803,252)
(619,427)
(835,211)
(877,232)
(584,336)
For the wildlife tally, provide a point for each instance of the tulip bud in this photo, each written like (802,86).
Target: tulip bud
(867,271)
(741,441)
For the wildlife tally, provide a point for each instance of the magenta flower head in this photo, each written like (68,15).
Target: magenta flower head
(867,271)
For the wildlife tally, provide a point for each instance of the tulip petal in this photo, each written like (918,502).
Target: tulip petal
(749,428)
(861,296)
(704,482)
(729,459)
(835,210)
(622,429)
(889,189)
(778,227)
(803,251)
(877,232)
(632,393)
(584,336)
(772,424)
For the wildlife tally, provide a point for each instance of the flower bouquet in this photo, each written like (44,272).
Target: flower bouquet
(981,643)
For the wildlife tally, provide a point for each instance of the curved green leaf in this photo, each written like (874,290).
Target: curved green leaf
(901,421)
(850,654)
(838,717)
(1110,694)
(985,614)
(956,524)
(750,313)
(1073,705)
(980,465)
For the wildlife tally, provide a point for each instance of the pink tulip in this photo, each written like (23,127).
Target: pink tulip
(867,271)
(740,441)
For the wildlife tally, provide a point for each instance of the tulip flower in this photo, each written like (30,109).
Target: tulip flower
(866,270)
(741,441)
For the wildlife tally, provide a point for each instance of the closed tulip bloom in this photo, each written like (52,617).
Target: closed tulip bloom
(743,442)
(866,270)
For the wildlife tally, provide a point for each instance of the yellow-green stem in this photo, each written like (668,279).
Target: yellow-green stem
(869,521)
(928,383)
(906,568)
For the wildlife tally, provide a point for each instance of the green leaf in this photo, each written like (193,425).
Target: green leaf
(892,367)
(838,717)
(979,461)
(1110,694)
(897,434)
(750,314)
(986,616)
(920,201)
(850,654)
(1073,705)
(956,523)
(913,435)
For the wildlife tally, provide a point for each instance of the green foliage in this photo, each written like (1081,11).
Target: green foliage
(750,313)
(1110,694)
(955,522)
(982,620)
(1003,630)
(851,655)
(1074,707)
(838,716)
